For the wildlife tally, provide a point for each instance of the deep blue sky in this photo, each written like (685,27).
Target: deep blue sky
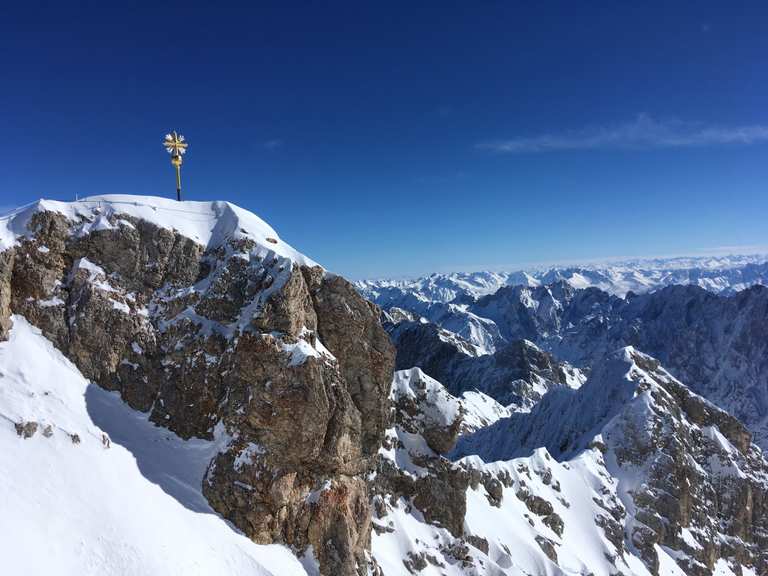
(401,138)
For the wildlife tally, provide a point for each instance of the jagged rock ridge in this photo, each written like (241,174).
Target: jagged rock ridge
(630,474)
(714,343)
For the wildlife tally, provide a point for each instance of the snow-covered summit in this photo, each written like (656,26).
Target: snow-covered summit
(203,320)
(209,224)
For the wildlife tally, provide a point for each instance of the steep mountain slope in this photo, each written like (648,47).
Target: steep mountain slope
(198,314)
(715,342)
(85,481)
(648,478)
(690,482)
(516,374)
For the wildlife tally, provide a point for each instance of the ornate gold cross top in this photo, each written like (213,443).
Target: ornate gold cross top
(176,146)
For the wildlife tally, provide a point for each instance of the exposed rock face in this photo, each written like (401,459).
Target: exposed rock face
(6,269)
(349,326)
(425,424)
(689,471)
(144,256)
(289,362)
(516,374)
(424,345)
(717,344)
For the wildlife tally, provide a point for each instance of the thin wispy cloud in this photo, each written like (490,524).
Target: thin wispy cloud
(642,133)
(274,144)
(754,252)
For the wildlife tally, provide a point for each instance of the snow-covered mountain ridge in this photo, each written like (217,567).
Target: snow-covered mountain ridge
(729,273)
(210,224)
(715,343)
(629,474)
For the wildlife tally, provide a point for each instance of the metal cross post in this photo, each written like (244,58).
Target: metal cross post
(176,146)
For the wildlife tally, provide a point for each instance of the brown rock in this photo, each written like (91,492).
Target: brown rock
(349,327)
(6,270)
(26,429)
(198,354)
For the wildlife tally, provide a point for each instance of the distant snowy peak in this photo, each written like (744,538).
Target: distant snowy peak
(437,407)
(714,273)
(443,287)
(210,224)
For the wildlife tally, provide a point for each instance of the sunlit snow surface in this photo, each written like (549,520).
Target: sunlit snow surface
(726,273)
(134,508)
(583,486)
(207,223)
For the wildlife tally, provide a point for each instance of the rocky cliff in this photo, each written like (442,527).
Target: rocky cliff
(516,374)
(198,314)
(630,474)
(267,384)
(689,481)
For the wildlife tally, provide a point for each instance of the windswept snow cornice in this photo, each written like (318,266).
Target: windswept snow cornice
(209,224)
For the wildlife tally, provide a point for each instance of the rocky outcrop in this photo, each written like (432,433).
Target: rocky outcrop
(686,469)
(143,255)
(517,374)
(425,422)
(708,479)
(349,326)
(6,270)
(232,340)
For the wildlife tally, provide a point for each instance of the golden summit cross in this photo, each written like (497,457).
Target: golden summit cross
(176,146)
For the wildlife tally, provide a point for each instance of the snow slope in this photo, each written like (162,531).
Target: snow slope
(207,223)
(81,508)
(629,474)
(527,502)
(676,460)
(438,407)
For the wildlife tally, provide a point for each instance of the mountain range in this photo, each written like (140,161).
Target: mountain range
(183,392)
(720,274)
